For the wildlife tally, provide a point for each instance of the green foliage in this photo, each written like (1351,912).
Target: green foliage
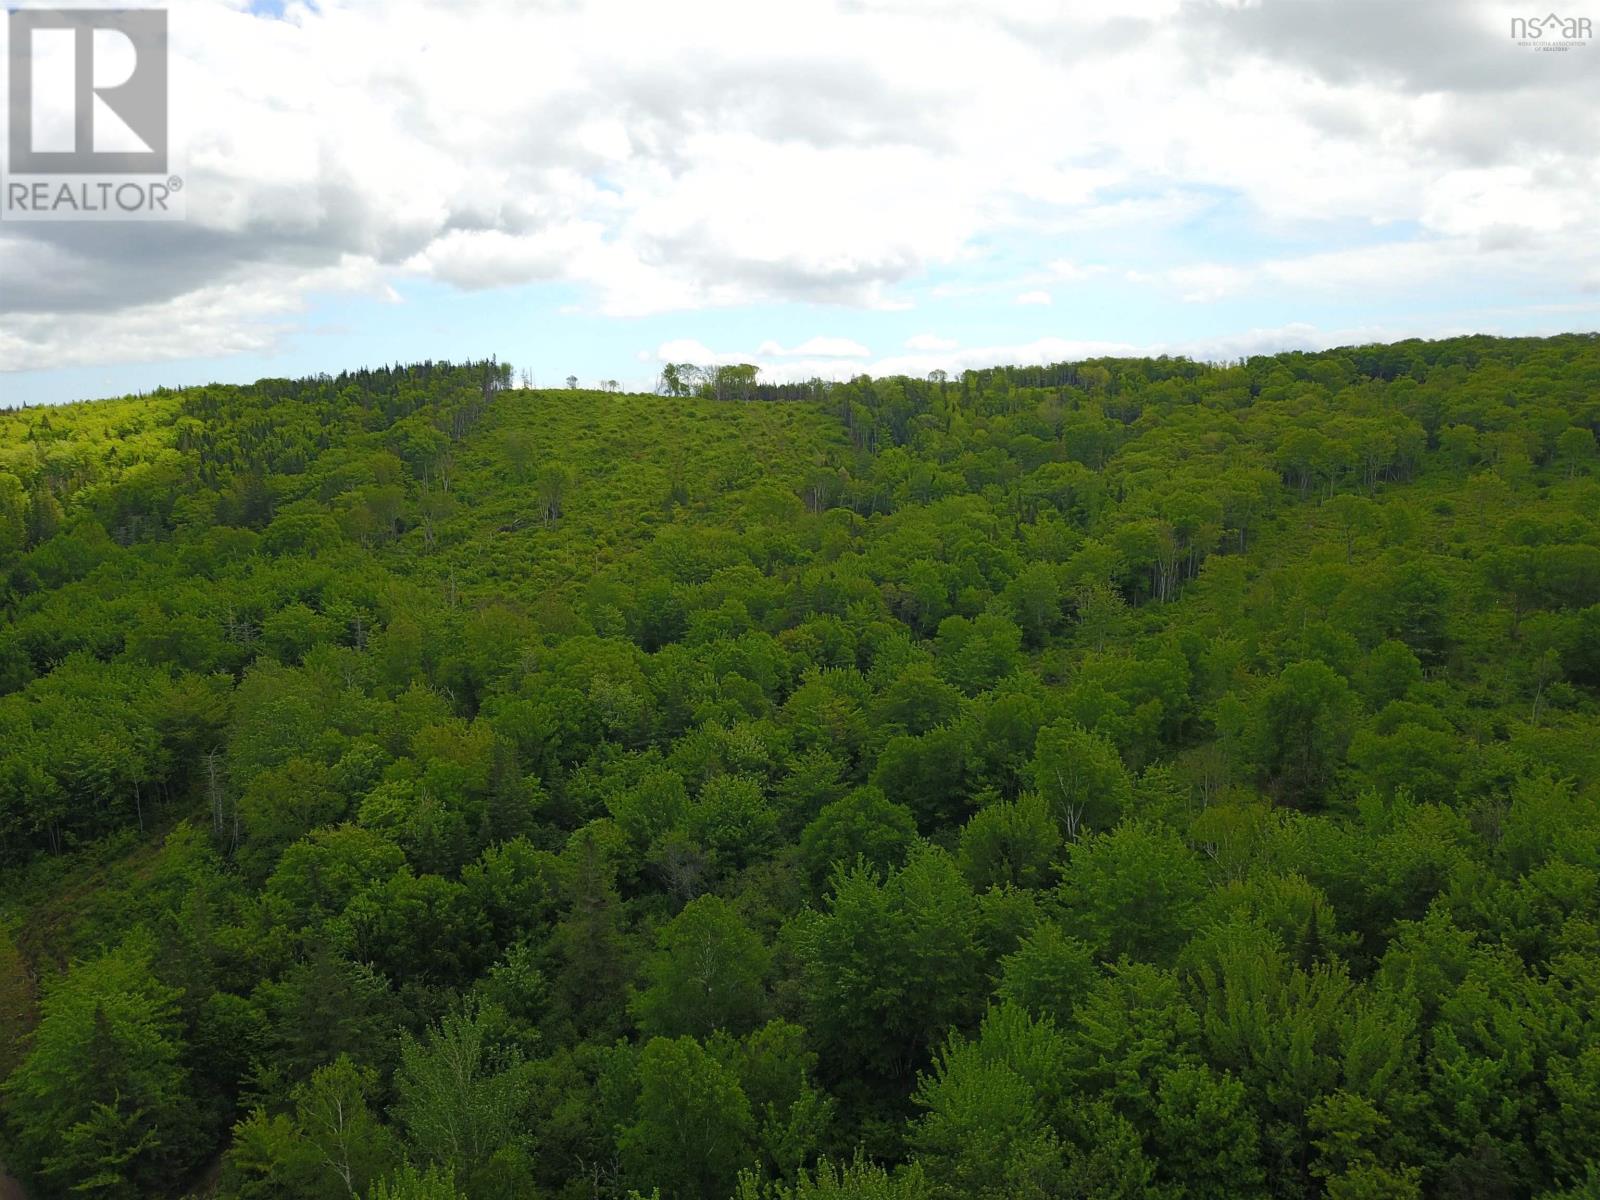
(864,825)
(409,1184)
(890,964)
(460,1093)
(1304,721)
(1081,777)
(1132,891)
(1048,974)
(1132,778)
(858,1180)
(101,1103)
(333,1140)
(692,1127)
(1010,842)
(706,974)
(987,1130)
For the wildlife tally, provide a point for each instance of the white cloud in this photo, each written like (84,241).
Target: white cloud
(827,357)
(484,258)
(817,347)
(663,159)
(1042,350)
(1505,256)
(1476,202)
(1071,272)
(929,341)
(226,318)
(1226,347)
(690,351)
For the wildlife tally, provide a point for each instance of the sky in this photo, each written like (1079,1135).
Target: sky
(823,188)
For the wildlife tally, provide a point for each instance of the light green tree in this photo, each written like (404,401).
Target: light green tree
(692,1128)
(706,974)
(1081,777)
(460,1095)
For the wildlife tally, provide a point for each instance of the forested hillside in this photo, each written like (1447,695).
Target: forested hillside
(1132,778)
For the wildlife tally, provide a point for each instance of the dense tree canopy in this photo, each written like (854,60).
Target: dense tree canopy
(1128,778)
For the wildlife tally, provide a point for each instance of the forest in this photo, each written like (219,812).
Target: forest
(1116,779)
